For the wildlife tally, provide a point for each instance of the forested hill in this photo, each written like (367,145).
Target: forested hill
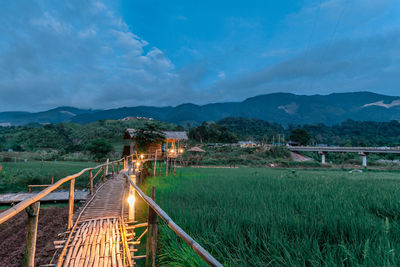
(282,108)
(347,133)
(72,137)
(69,137)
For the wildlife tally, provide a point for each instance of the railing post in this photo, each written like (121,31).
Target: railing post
(155,164)
(33,218)
(151,244)
(104,174)
(71,203)
(118,167)
(90,182)
(112,166)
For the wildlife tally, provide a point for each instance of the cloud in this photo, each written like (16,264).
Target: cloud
(346,65)
(82,53)
(77,53)
(221,75)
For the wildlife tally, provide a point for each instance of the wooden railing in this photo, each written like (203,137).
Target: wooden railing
(32,203)
(154,208)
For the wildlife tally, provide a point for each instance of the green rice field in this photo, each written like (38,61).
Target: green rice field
(281,217)
(15,177)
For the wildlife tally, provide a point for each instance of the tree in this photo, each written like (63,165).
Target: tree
(99,148)
(212,132)
(150,133)
(300,136)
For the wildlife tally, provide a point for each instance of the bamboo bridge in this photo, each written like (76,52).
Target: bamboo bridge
(103,232)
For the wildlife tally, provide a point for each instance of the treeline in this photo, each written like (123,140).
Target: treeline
(356,133)
(68,137)
(71,137)
(348,133)
(212,132)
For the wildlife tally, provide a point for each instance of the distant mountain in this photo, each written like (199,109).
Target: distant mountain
(60,114)
(283,108)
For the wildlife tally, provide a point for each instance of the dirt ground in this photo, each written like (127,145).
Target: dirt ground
(52,221)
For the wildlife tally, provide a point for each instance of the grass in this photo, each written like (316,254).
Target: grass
(281,217)
(15,177)
(236,156)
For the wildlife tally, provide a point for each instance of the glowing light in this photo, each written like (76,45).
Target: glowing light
(142,156)
(131,200)
(172,151)
(181,150)
(138,163)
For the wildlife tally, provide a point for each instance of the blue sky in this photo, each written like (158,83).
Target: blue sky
(105,54)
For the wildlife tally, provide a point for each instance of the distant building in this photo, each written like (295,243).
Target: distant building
(322,145)
(293,143)
(247,144)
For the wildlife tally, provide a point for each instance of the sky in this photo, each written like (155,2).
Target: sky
(112,53)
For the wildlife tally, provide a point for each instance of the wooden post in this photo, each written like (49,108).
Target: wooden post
(159,168)
(155,164)
(33,218)
(71,203)
(166,166)
(90,182)
(151,243)
(174,167)
(118,167)
(104,174)
(108,161)
(112,165)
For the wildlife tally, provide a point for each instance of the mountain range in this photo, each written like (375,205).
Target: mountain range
(283,108)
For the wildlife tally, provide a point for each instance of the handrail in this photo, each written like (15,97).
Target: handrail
(11,212)
(207,257)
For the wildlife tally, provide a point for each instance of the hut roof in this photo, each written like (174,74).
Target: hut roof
(175,135)
(131,133)
(196,149)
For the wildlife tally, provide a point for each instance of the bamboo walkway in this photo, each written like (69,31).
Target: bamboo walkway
(99,237)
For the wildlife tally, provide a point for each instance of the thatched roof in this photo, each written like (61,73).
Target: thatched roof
(196,149)
(131,133)
(175,135)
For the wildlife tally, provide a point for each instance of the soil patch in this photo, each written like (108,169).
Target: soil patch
(52,221)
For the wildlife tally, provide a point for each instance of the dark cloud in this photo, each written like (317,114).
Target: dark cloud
(75,53)
(360,64)
(81,53)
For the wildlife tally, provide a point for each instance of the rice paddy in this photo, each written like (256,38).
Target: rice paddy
(282,217)
(15,177)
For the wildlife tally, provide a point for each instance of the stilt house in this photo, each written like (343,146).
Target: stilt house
(172,146)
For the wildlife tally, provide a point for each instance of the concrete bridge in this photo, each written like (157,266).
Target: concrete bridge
(362,151)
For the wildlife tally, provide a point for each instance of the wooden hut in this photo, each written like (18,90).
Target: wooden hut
(172,146)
